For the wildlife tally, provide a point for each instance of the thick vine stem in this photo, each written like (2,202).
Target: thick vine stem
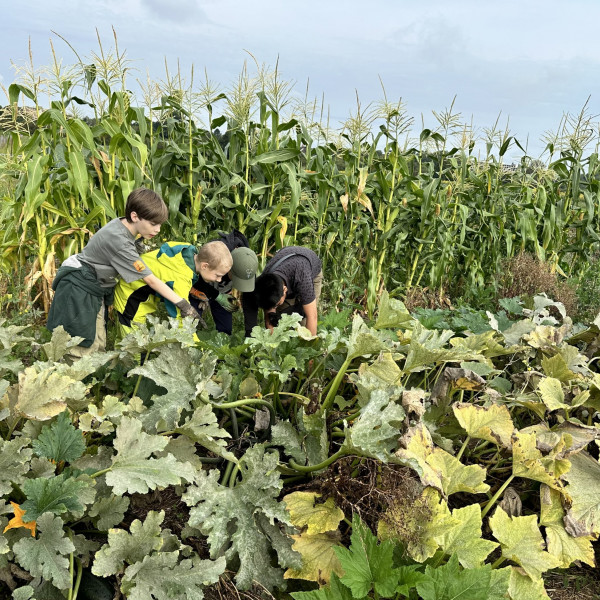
(311,468)
(327,403)
(245,402)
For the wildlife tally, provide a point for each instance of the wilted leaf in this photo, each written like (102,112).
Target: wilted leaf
(583,492)
(565,547)
(43,395)
(521,542)
(319,560)
(59,344)
(492,423)
(552,393)
(529,462)
(418,524)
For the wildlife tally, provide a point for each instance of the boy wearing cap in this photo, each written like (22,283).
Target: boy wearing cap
(218,294)
(178,264)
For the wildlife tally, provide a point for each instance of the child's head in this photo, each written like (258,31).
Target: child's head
(147,205)
(213,261)
(270,291)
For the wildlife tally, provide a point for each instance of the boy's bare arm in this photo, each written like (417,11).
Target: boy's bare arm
(310,311)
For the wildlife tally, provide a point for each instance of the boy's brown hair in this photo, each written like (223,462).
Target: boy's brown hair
(215,254)
(147,204)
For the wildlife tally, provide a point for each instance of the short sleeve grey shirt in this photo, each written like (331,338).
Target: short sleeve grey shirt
(113,253)
(297,271)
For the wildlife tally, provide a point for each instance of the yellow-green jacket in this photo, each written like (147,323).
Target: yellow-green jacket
(172,263)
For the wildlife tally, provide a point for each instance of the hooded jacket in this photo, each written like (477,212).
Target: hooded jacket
(172,263)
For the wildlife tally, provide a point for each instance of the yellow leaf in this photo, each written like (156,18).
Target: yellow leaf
(283,230)
(492,423)
(17,520)
(319,560)
(316,517)
(344,200)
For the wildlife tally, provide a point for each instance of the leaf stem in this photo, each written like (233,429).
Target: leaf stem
(495,497)
(463,447)
(311,468)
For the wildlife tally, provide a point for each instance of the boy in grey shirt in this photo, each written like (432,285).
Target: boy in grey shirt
(84,283)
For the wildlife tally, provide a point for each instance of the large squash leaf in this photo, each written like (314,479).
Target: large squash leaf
(245,521)
(46,556)
(521,541)
(492,423)
(134,470)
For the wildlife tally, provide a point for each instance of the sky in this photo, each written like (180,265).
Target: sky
(523,64)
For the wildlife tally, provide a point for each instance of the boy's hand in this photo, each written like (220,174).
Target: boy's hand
(187,310)
(227,302)
(199,297)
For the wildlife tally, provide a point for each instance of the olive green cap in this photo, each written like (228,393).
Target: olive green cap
(243,271)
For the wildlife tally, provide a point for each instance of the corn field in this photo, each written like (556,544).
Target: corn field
(383,207)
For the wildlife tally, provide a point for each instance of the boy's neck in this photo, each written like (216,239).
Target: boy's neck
(130,226)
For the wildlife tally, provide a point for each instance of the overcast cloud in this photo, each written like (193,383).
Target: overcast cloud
(530,61)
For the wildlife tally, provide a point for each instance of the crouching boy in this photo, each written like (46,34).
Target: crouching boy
(85,282)
(178,265)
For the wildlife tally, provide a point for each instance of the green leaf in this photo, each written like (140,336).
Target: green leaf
(382,374)
(561,544)
(60,441)
(14,463)
(556,368)
(162,577)
(552,394)
(203,429)
(450,582)
(492,423)
(275,156)
(45,557)
(392,314)
(108,511)
(521,542)
(464,539)
(133,469)
(185,373)
(317,517)
(59,344)
(367,564)
(245,521)
(55,495)
(376,432)
(125,548)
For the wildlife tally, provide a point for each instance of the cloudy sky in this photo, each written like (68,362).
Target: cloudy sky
(529,61)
